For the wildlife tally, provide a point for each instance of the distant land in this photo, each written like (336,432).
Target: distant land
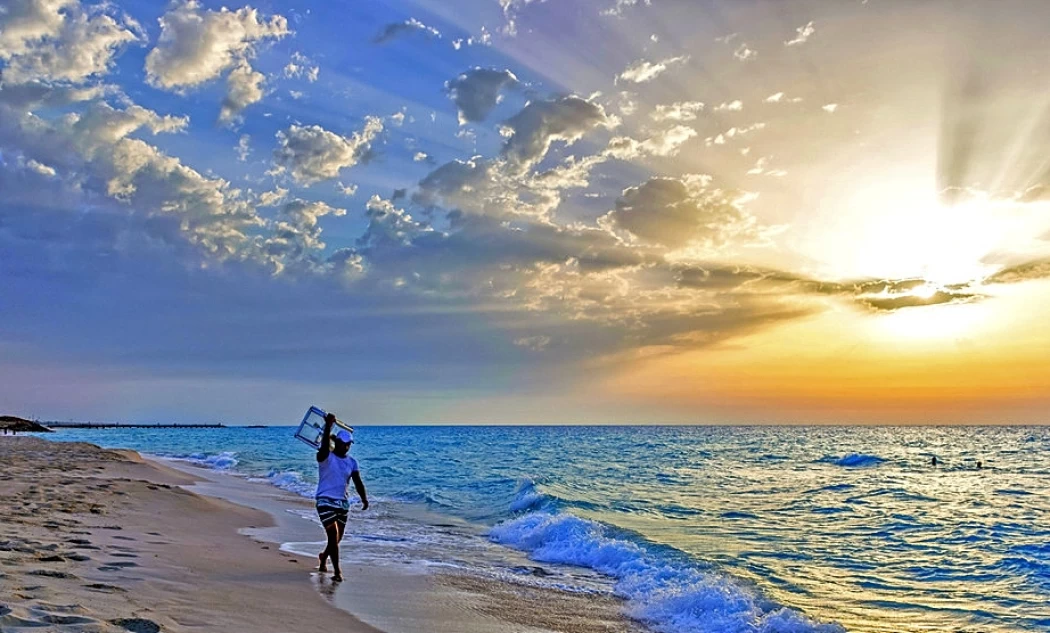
(21,425)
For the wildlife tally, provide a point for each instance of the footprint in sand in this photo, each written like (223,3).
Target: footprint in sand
(117,565)
(50,573)
(137,625)
(123,538)
(124,555)
(104,588)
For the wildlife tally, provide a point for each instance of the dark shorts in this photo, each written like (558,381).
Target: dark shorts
(332,511)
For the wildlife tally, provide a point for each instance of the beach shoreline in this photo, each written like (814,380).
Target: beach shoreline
(102,540)
(109,540)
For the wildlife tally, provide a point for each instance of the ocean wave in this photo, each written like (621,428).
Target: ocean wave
(220,461)
(528,497)
(857,460)
(665,594)
(291,481)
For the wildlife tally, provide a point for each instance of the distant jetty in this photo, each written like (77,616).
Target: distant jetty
(118,425)
(13,424)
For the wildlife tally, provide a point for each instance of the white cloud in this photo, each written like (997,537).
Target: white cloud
(272,198)
(396,29)
(761,168)
(302,66)
(804,32)
(732,133)
(642,71)
(243,88)
(346,190)
(665,143)
(618,9)
(780,97)
(243,148)
(680,111)
(312,153)
(57,40)
(743,53)
(196,45)
(477,91)
(534,343)
(397,119)
(296,231)
(831,107)
(730,106)
(420,157)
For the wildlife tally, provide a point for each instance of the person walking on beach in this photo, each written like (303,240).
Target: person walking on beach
(335,469)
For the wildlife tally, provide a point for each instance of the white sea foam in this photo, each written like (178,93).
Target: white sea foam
(225,460)
(291,481)
(668,596)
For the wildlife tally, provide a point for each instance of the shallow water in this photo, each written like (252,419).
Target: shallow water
(705,529)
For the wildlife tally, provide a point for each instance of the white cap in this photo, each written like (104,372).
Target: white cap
(344,436)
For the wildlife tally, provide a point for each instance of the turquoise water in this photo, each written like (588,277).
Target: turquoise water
(716,529)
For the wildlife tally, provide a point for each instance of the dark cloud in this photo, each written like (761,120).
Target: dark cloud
(477,91)
(541,122)
(668,212)
(1035,269)
(409,26)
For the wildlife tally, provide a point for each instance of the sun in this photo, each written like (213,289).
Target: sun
(925,291)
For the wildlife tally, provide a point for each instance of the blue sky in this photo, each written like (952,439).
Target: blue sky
(495,211)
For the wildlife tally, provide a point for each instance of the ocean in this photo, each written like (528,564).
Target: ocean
(699,529)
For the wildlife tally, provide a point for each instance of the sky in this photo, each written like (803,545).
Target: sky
(526,211)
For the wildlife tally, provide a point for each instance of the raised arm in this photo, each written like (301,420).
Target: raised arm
(326,438)
(360,485)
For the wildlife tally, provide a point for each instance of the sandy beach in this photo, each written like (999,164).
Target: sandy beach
(107,541)
(99,540)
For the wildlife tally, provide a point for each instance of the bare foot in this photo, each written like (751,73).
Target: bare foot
(337,577)
(323,567)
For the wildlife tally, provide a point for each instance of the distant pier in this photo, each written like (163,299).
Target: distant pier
(116,425)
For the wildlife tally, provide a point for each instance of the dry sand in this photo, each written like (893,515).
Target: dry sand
(97,540)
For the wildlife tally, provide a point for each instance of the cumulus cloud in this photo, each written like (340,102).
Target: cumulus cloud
(642,71)
(803,33)
(680,111)
(674,213)
(540,123)
(311,153)
(58,40)
(477,91)
(297,231)
(302,66)
(831,107)
(243,88)
(409,26)
(197,45)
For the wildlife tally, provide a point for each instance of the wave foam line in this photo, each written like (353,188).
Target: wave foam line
(669,597)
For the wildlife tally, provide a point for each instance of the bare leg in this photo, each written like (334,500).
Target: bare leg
(333,532)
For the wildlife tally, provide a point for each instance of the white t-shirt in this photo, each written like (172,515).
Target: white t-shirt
(333,474)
